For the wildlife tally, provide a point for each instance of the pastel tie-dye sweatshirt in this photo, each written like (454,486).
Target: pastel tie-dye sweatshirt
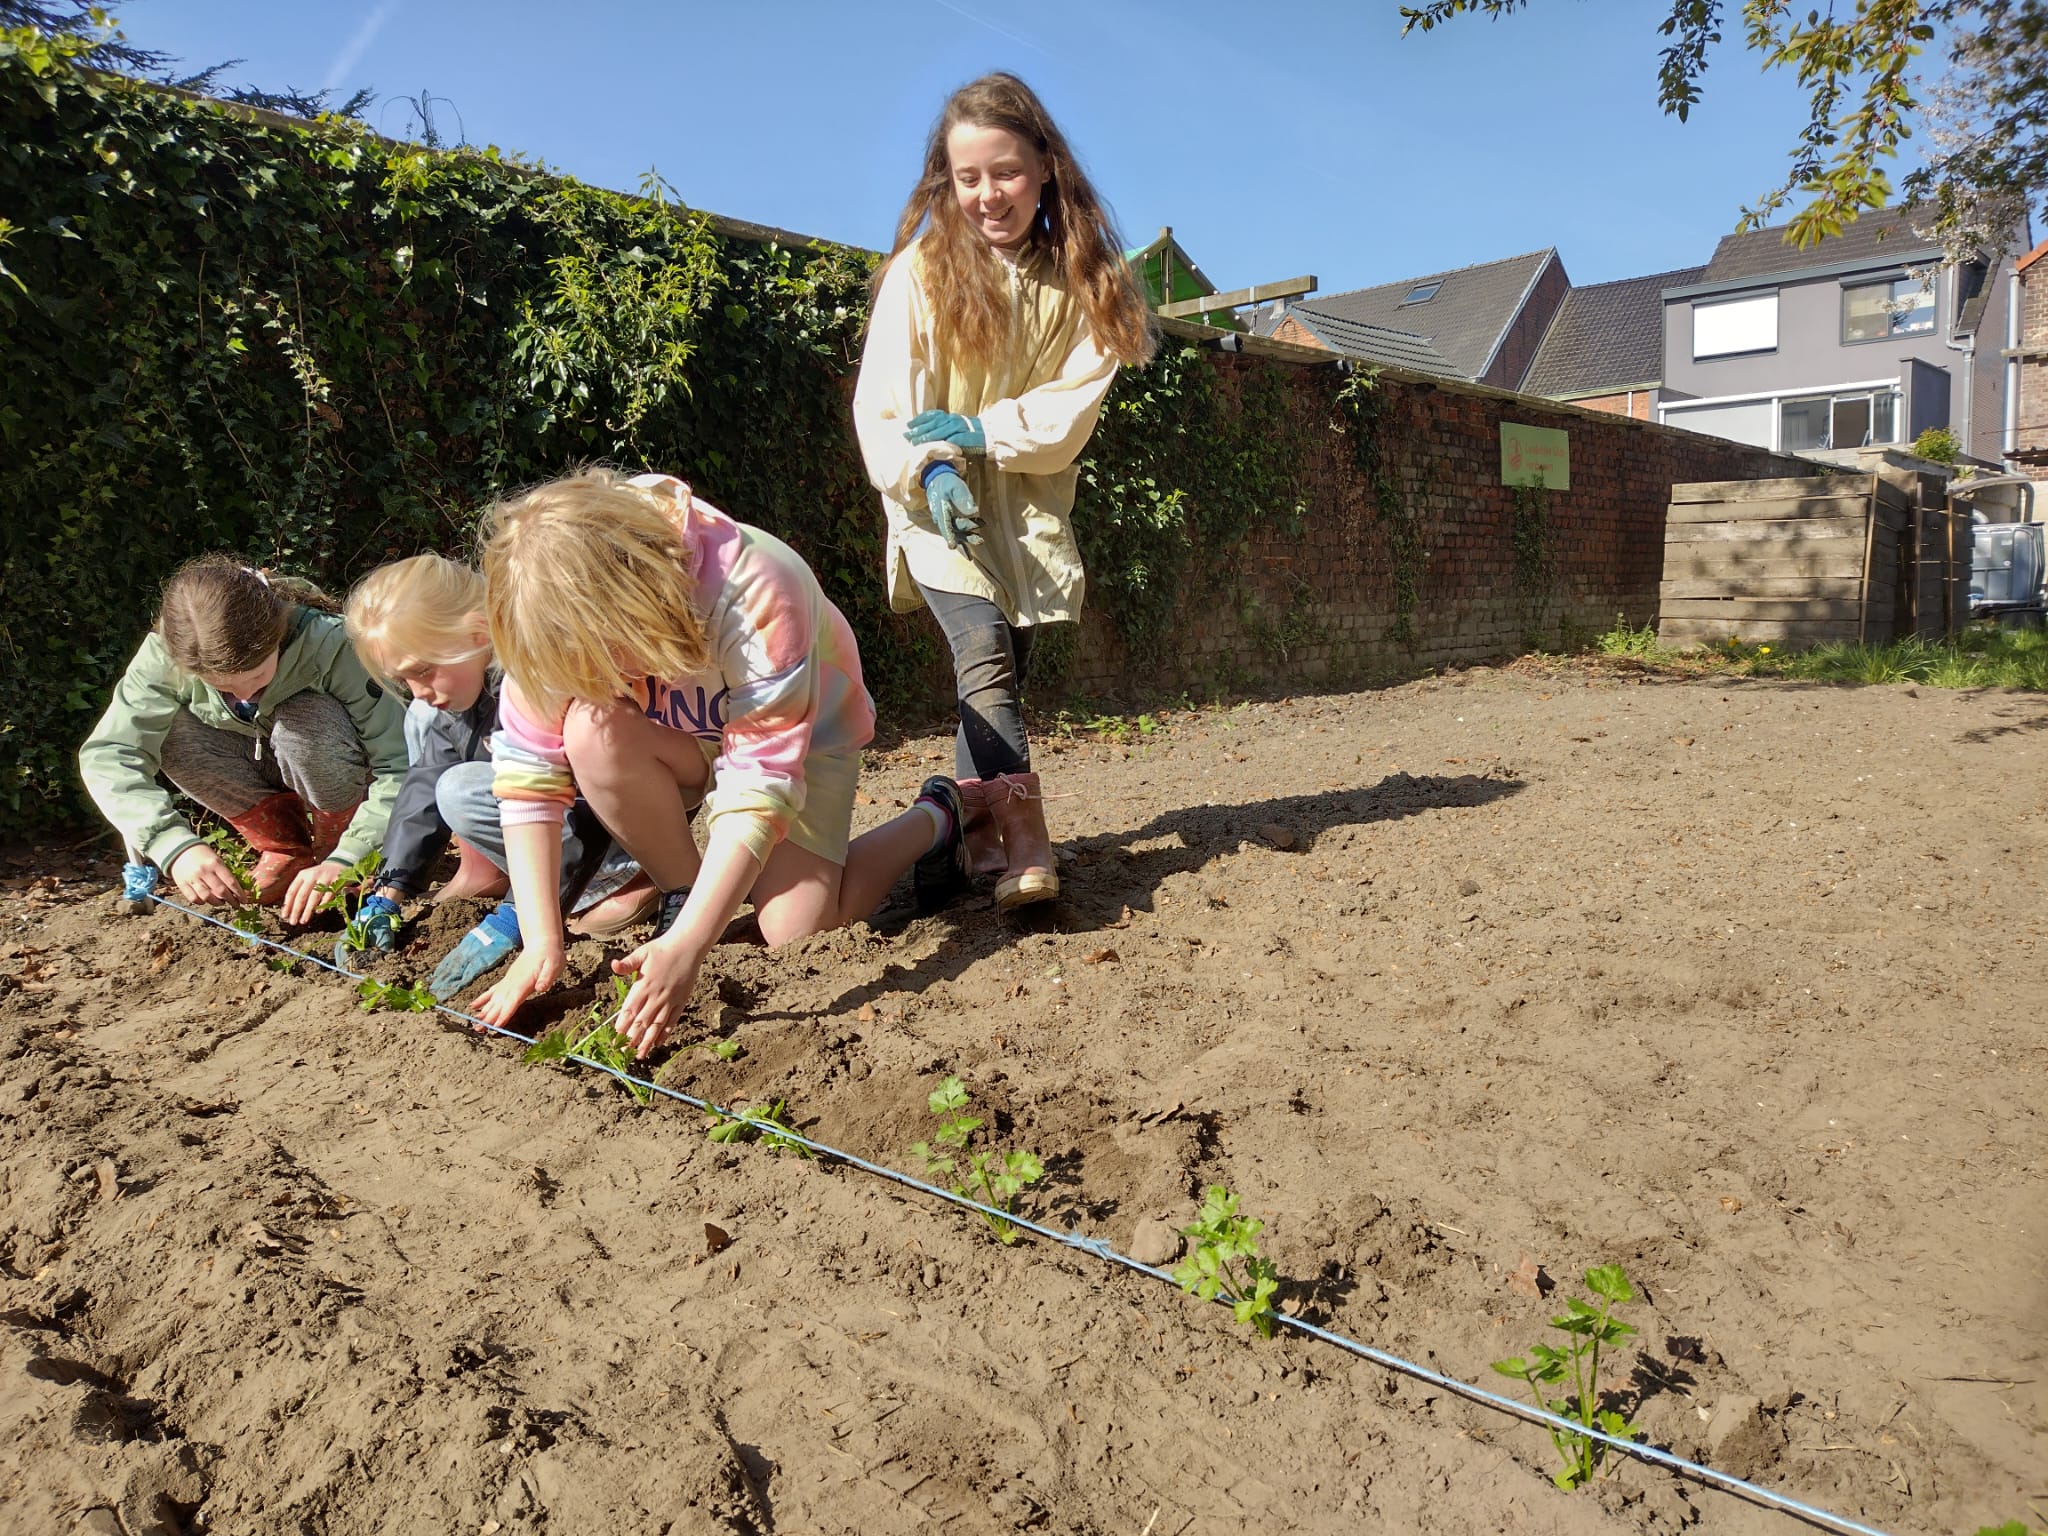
(784,681)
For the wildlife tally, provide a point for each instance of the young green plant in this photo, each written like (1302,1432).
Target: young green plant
(1587,1329)
(345,894)
(990,1176)
(372,994)
(766,1123)
(1224,1260)
(594,1038)
(241,864)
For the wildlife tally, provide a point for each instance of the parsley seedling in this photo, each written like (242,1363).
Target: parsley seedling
(241,863)
(991,1177)
(760,1123)
(372,994)
(1224,1260)
(1586,1328)
(345,894)
(594,1038)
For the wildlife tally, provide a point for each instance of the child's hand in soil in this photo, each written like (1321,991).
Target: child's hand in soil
(203,878)
(304,896)
(536,969)
(668,977)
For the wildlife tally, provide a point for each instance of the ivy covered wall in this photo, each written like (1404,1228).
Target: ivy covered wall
(221,330)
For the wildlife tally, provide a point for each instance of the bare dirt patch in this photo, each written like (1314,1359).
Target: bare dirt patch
(1736,984)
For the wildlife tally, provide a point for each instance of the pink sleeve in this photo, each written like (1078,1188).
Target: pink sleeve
(530,770)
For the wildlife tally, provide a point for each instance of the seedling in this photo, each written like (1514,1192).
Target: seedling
(372,994)
(723,1050)
(761,1123)
(991,1177)
(288,964)
(1587,1330)
(345,894)
(241,864)
(594,1038)
(1224,1260)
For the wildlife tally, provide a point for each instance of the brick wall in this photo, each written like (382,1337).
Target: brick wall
(1629,402)
(2032,444)
(1318,608)
(1518,347)
(1293,331)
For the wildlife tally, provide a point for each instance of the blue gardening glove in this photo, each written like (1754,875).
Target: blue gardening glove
(379,917)
(483,949)
(952,506)
(963,432)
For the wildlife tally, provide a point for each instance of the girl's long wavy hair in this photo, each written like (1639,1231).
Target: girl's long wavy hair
(221,616)
(963,273)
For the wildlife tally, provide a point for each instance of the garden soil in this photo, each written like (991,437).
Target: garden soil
(1462,986)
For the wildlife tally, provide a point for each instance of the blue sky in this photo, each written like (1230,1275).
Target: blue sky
(1278,139)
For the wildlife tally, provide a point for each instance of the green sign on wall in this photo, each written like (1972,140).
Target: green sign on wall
(1535,456)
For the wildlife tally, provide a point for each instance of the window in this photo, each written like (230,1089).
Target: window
(1838,421)
(1804,424)
(1422,293)
(1903,306)
(1729,326)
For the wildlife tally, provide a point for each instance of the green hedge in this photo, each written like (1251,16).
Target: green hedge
(220,330)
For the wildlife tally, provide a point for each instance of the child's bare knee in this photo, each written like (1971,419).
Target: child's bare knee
(596,737)
(784,925)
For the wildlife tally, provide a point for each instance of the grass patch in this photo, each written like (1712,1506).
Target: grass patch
(1983,656)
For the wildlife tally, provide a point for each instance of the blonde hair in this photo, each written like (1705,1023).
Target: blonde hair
(589,587)
(220,616)
(964,277)
(428,608)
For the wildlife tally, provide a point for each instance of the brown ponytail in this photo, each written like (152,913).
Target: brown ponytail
(220,617)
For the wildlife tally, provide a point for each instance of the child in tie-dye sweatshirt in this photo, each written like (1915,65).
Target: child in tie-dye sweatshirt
(659,654)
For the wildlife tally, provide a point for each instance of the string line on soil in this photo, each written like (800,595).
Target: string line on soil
(1101,1249)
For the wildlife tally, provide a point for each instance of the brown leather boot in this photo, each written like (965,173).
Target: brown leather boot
(277,829)
(1019,809)
(985,854)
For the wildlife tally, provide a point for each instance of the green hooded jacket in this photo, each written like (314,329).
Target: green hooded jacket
(121,757)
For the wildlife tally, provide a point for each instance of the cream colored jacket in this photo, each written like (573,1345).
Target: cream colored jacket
(1037,406)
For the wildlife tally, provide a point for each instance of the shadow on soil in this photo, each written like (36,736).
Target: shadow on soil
(1115,870)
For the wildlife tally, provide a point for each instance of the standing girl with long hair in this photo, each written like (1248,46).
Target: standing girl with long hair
(998,323)
(248,697)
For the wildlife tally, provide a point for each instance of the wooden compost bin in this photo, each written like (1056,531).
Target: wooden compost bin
(1792,561)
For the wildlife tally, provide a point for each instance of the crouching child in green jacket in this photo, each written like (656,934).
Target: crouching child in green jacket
(248,697)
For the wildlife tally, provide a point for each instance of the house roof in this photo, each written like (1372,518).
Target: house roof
(1403,349)
(1463,323)
(1882,238)
(1606,336)
(2031,257)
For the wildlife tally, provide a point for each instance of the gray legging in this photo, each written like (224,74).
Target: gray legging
(313,749)
(990,658)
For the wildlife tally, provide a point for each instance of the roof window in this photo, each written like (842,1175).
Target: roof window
(1422,293)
